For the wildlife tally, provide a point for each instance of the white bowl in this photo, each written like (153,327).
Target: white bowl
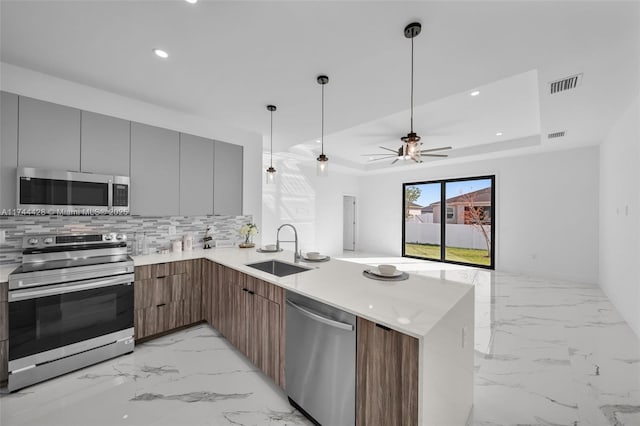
(314,255)
(386,269)
(269,247)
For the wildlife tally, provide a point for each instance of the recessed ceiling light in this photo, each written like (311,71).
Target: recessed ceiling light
(475,93)
(161,53)
(499,134)
(191,1)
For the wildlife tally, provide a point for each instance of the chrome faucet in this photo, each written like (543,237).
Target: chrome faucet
(296,255)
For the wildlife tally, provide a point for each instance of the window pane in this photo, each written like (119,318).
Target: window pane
(468,225)
(422,220)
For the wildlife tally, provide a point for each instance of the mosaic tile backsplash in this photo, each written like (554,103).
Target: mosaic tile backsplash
(156,229)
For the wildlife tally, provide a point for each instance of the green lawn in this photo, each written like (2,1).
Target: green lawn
(457,254)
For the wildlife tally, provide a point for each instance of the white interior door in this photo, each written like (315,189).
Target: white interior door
(349,223)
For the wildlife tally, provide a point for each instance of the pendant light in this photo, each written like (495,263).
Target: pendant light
(271,172)
(323,160)
(411,142)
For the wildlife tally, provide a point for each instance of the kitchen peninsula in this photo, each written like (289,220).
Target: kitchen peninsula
(436,314)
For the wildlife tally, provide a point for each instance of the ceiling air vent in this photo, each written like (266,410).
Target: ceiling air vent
(556,135)
(564,84)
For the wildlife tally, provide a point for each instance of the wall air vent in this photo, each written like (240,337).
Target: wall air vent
(556,135)
(565,84)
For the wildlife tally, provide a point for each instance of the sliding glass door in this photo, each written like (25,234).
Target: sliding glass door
(450,220)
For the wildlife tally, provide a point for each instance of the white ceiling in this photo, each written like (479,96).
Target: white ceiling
(230,59)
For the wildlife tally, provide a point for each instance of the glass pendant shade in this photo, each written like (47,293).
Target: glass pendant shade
(322,168)
(271,175)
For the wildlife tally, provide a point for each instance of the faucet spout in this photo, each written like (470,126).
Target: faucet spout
(296,255)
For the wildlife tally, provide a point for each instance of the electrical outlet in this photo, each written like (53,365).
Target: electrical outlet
(3,236)
(172,230)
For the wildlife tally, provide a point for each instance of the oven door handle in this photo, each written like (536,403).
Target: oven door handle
(51,290)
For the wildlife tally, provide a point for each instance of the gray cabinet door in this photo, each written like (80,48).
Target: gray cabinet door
(196,175)
(104,143)
(8,149)
(48,135)
(227,179)
(155,171)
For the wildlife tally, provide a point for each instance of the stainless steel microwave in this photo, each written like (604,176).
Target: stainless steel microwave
(43,191)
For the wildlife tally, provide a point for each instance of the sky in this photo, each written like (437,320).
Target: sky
(430,193)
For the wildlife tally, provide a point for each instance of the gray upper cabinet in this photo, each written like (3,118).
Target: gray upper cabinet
(227,177)
(155,171)
(196,175)
(104,144)
(8,149)
(48,135)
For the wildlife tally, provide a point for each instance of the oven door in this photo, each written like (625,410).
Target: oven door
(55,321)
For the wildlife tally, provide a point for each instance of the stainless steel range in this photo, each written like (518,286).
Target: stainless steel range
(70,305)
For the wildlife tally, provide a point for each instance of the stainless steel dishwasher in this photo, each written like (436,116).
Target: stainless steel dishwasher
(321,361)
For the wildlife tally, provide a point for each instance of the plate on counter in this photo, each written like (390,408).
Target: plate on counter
(261,250)
(369,274)
(316,259)
(376,271)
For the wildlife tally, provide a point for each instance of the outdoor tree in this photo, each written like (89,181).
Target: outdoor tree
(477,217)
(411,194)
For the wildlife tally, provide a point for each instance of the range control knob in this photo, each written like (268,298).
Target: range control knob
(48,240)
(121,237)
(33,241)
(107,237)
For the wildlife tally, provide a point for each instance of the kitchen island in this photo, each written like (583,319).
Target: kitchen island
(437,313)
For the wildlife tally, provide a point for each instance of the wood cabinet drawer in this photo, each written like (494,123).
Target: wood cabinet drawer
(264,289)
(159,270)
(158,319)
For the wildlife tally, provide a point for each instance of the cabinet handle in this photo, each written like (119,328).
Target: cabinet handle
(251,292)
(244,289)
(164,276)
(383,327)
(162,304)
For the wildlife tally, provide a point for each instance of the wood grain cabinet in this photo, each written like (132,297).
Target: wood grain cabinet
(250,313)
(386,376)
(167,296)
(4,333)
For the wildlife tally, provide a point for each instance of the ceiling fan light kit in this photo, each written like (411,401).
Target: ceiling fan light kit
(323,161)
(271,172)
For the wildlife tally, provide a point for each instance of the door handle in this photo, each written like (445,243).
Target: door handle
(320,318)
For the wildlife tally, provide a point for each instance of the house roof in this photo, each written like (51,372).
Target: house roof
(479,196)
(427,209)
(414,206)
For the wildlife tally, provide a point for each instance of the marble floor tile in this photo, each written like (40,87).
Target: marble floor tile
(548,353)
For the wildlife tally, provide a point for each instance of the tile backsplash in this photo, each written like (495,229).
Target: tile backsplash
(156,229)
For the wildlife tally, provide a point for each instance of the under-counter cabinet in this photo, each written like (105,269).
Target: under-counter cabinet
(48,135)
(167,296)
(250,313)
(386,376)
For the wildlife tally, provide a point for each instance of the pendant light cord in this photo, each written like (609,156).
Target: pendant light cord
(271,159)
(322,122)
(412,84)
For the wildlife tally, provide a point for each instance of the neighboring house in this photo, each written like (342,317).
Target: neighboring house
(456,206)
(426,215)
(413,211)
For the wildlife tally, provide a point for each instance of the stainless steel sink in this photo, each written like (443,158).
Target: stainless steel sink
(280,269)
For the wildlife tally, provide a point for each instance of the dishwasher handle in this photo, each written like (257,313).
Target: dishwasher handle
(320,318)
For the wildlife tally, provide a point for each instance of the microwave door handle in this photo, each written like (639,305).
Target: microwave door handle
(26,294)
(110,195)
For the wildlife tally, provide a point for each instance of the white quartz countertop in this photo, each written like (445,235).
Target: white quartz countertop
(5,270)
(411,306)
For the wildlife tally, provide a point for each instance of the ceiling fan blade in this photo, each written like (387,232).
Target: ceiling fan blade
(395,161)
(435,155)
(388,155)
(389,149)
(435,149)
(379,159)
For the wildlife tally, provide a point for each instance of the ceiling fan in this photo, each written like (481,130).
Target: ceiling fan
(411,146)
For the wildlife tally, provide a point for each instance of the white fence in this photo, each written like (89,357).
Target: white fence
(465,236)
